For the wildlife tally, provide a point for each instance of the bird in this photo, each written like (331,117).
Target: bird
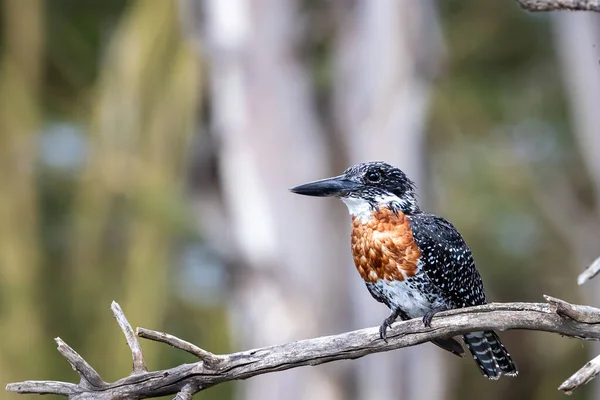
(415,263)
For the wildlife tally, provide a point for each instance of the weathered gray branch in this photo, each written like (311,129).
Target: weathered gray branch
(591,369)
(556,316)
(89,376)
(554,5)
(186,393)
(139,366)
(589,272)
(180,344)
(588,372)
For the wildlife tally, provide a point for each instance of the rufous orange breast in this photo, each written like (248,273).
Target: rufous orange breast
(383,247)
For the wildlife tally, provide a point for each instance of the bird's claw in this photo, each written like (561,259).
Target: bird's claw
(427,319)
(386,324)
(429,315)
(383,331)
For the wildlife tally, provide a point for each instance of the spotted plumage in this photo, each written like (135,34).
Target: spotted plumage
(415,263)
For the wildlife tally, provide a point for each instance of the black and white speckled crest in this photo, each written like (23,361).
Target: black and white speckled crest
(379,180)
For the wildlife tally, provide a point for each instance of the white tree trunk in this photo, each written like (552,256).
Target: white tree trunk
(387,53)
(292,284)
(577,37)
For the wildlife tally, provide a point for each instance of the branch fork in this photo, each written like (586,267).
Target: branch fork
(185,380)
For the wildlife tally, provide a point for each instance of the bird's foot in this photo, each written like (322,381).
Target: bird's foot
(386,324)
(429,316)
(383,331)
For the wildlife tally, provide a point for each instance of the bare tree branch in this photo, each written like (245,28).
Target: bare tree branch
(554,5)
(556,316)
(139,365)
(88,375)
(186,393)
(43,387)
(589,272)
(180,344)
(586,314)
(580,238)
(588,372)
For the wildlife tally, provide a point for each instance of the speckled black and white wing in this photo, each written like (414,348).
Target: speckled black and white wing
(448,263)
(447,260)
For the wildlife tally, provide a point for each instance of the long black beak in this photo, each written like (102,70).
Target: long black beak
(336,186)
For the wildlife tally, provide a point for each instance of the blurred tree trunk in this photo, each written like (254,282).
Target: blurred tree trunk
(291,281)
(577,38)
(143,117)
(20,301)
(388,53)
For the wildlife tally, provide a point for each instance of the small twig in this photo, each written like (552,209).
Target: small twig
(132,341)
(185,394)
(591,369)
(585,314)
(181,344)
(87,374)
(590,272)
(588,372)
(43,387)
(555,5)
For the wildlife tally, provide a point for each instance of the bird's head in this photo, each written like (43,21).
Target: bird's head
(366,187)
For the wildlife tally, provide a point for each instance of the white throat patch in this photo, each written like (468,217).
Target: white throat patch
(361,208)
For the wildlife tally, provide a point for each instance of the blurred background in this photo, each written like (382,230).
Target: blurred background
(146,149)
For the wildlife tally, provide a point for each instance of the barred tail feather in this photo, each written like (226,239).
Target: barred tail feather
(506,364)
(490,354)
(482,354)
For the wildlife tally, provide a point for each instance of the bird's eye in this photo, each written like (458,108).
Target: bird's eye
(373,176)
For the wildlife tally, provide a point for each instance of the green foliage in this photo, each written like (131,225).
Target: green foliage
(120,77)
